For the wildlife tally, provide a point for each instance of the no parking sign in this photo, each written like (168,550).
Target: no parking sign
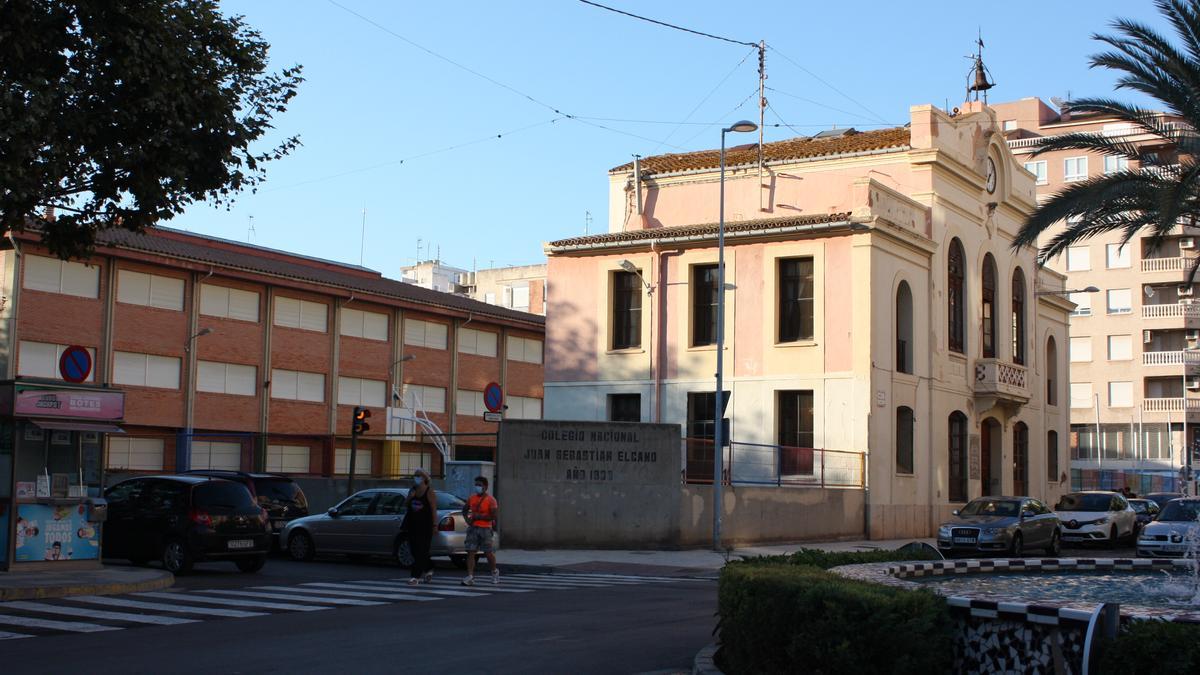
(75,364)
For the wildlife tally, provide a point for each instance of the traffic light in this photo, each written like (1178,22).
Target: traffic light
(359,424)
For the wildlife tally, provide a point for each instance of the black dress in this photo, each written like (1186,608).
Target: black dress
(418,524)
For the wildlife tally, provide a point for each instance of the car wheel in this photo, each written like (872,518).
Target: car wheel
(252,565)
(1016,548)
(403,554)
(176,558)
(1114,537)
(459,561)
(1055,547)
(300,546)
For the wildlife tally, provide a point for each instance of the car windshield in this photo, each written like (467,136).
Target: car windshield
(1081,502)
(990,507)
(1140,507)
(1181,511)
(222,494)
(279,491)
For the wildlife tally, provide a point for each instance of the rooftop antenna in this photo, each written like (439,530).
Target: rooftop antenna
(418,249)
(250,234)
(362,238)
(979,78)
(587,221)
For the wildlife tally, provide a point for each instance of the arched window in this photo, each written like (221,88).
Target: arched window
(1020,472)
(904,329)
(904,439)
(1051,371)
(1018,316)
(956,264)
(988,311)
(957,474)
(1052,456)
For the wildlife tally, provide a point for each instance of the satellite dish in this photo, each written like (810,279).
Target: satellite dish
(1149,291)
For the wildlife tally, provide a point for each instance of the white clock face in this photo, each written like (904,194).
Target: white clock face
(990,183)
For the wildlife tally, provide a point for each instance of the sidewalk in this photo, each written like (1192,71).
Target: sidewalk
(107,581)
(692,561)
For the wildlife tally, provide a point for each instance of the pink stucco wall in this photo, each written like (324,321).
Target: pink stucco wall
(571,322)
(839,306)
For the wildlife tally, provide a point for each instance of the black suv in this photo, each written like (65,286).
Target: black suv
(279,495)
(182,520)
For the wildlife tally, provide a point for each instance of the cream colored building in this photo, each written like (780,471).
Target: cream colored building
(879,328)
(1129,340)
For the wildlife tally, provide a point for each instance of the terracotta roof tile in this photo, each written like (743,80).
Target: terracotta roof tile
(795,148)
(221,253)
(702,231)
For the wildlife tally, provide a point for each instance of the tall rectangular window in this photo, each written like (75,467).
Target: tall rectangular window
(149,290)
(1052,456)
(795,299)
(626,310)
(1075,168)
(61,276)
(1081,394)
(704,305)
(1081,349)
(700,433)
(1120,394)
(1038,169)
(1083,304)
(1117,256)
(1120,301)
(625,407)
(905,421)
(794,427)
(228,303)
(1120,348)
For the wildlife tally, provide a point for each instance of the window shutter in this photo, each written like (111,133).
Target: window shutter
(162,371)
(287,312)
(81,280)
(311,387)
(43,274)
(166,292)
(133,287)
(241,380)
(375,326)
(312,316)
(284,384)
(243,305)
(214,300)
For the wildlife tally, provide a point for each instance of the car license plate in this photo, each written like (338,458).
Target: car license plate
(241,543)
(964,540)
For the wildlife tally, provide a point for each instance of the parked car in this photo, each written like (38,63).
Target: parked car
(182,520)
(1161,498)
(1096,517)
(1145,509)
(279,495)
(368,523)
(1008,525)
(1176,528)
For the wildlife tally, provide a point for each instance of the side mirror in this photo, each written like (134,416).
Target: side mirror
(954,512)
(333,512)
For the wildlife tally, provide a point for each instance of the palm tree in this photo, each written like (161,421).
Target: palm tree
(1134,200)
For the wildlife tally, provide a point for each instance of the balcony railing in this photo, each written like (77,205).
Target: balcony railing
(1169,404)
(1170,358)
(1177,264)
(1001,379)
(1174,310)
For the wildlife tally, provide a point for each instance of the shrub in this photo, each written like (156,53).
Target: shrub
(1153,647)
(828,559)
(780,618)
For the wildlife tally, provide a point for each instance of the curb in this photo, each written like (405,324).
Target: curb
(157,582)
(704,664)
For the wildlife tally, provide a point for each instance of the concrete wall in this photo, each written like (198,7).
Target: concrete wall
(766,514)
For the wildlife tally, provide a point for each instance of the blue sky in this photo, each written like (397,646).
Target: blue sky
(371,99)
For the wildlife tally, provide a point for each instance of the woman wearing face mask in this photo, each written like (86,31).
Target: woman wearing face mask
(420,518)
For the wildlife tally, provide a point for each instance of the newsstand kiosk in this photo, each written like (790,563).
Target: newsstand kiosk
(51,472)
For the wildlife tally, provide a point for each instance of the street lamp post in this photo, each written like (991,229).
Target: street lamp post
(183,454)
(718,432)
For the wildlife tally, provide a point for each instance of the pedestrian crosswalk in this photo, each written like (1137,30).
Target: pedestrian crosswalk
(97,613)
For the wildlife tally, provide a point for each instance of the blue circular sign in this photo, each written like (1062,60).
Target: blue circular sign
(75,364)
(493,397)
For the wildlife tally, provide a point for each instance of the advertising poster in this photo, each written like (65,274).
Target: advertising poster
(46,532)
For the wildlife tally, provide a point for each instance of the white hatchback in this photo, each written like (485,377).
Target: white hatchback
(1096,516)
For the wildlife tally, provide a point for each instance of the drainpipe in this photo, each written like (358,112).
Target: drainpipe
(260,449)
(335,352)
(105,354)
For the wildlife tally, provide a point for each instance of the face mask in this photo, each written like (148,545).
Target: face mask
(478,489)
(417,481)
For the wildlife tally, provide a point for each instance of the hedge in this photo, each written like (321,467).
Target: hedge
(783,618)
(1152,647)
(828,559)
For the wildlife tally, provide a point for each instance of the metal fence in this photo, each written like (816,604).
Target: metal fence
(774,465)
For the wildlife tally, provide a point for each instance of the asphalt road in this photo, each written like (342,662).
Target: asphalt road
(303,621)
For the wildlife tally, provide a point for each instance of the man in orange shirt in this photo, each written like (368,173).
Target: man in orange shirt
(480,514)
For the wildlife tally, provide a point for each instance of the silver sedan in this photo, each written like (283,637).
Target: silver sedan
(1005,525)
(368,523)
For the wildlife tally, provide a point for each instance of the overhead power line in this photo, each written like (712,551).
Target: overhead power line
(706,97)
(669,25)
(486,78)
(818,78)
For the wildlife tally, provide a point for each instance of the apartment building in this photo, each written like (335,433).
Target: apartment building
(253,358)
(880,331)
(1131,393)
(519,287)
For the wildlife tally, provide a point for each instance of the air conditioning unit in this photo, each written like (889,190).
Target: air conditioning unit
(1147,337)
(1192,335)
(1187,243)
(1184,291)
(1193,383)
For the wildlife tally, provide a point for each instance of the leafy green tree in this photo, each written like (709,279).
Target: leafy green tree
(1138,199)
(121,113)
